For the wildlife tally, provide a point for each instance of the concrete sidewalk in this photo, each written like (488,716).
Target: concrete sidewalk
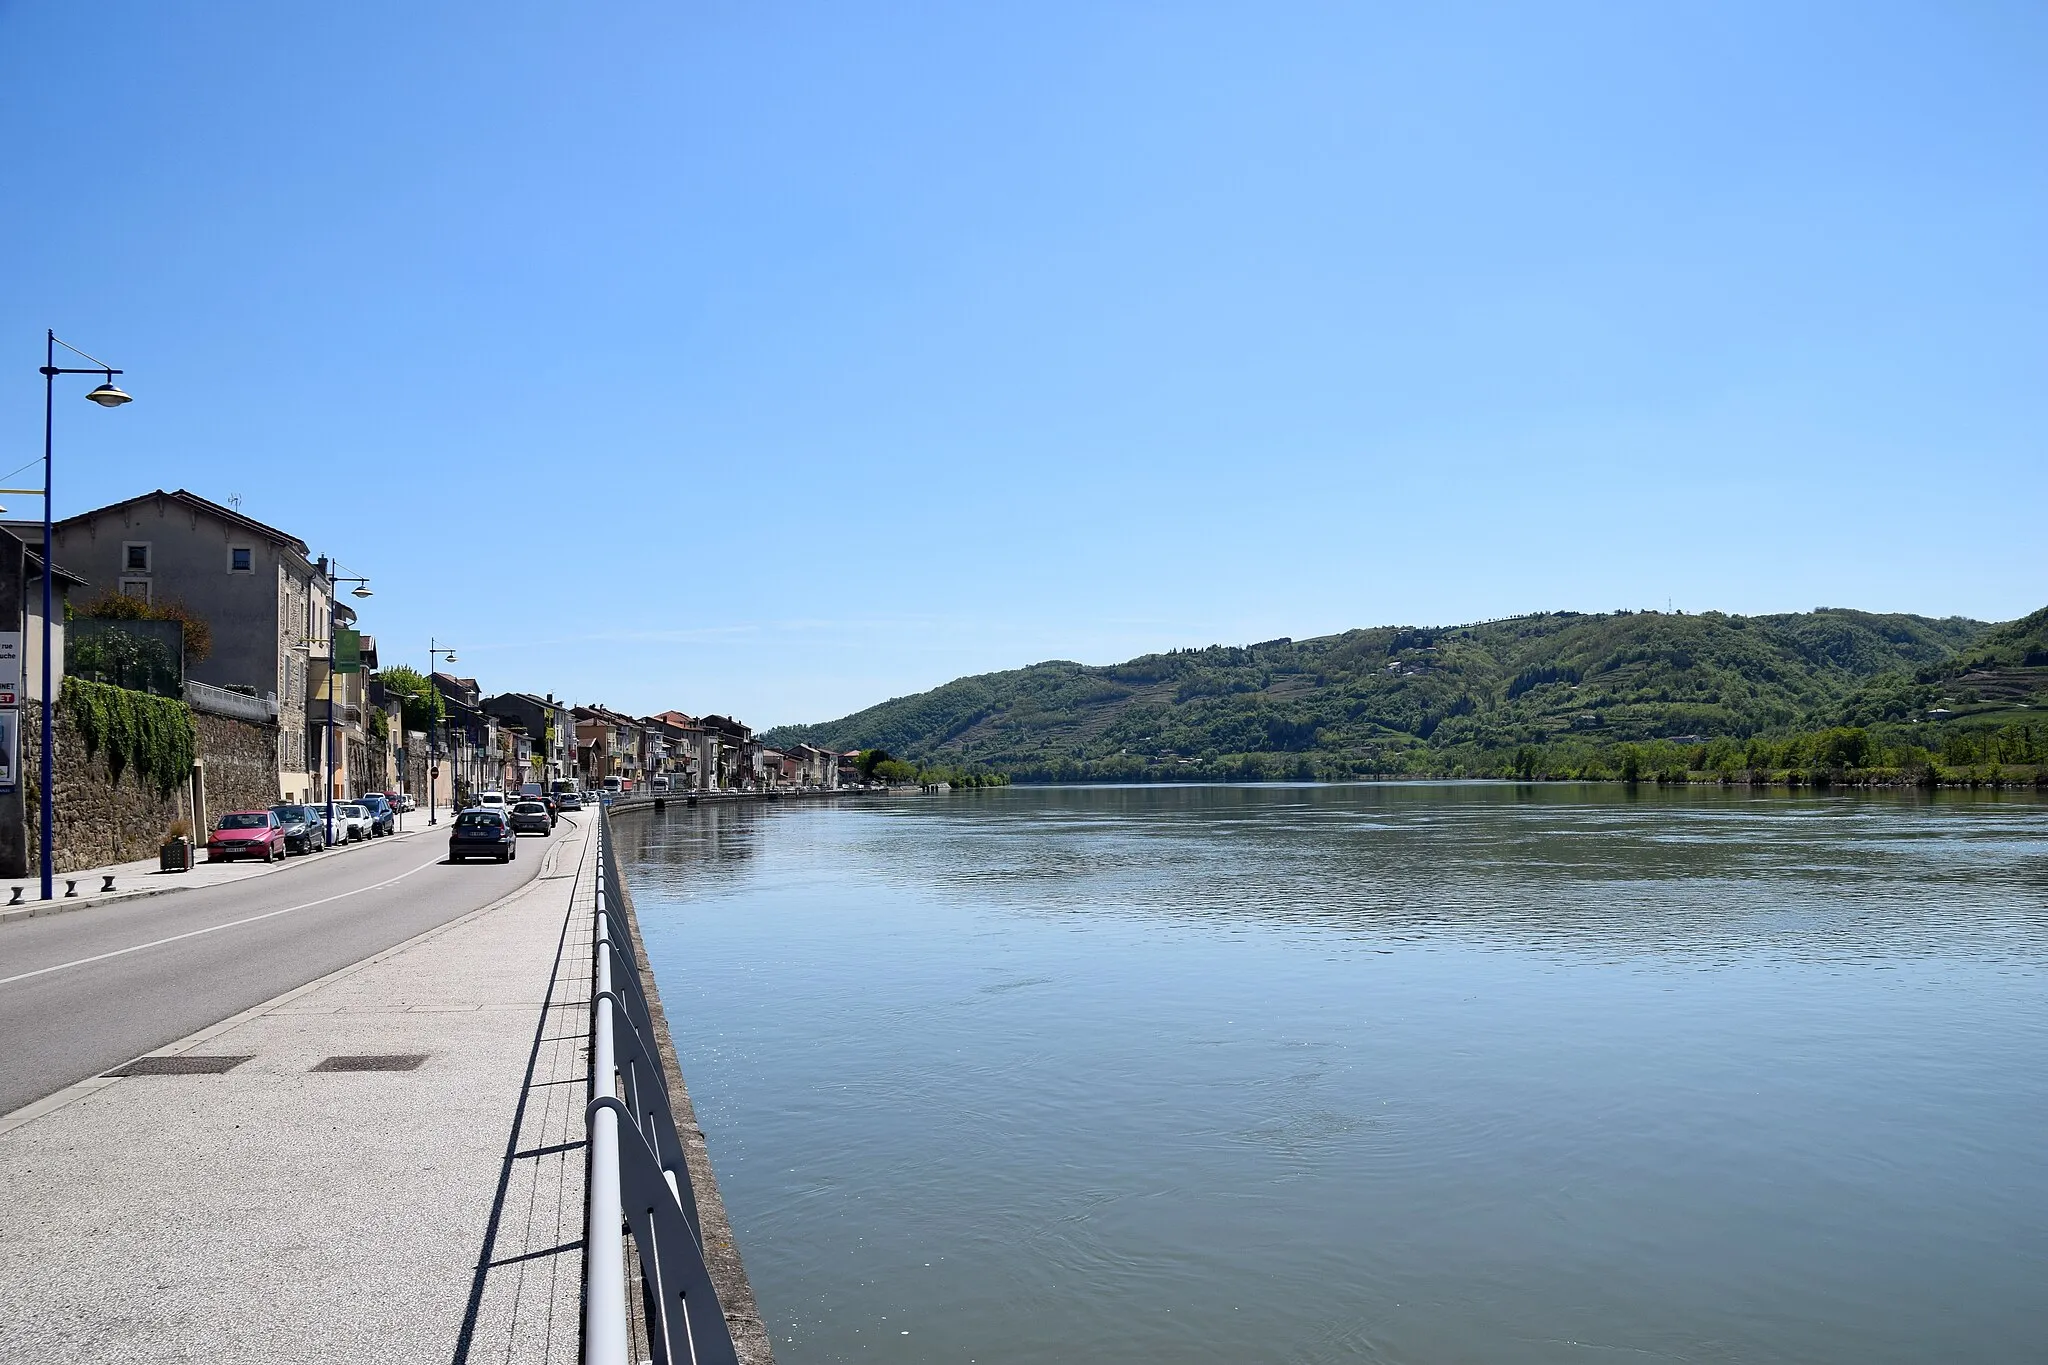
(296,1208)
(143,877)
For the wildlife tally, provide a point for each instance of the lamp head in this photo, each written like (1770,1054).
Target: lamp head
(108,396)
(362,590)
(451,656)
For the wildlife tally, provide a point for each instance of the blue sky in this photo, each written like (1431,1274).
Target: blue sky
(777,359)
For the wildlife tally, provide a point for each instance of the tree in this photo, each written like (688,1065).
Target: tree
(1842,748)
(1631,763)
(419,699)
(869,760)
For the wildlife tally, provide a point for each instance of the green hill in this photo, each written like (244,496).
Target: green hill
(1981,685)
(1564,687)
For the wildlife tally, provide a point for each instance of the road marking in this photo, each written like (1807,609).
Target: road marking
(216,928)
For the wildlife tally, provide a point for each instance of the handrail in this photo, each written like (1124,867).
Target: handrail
(639,1182)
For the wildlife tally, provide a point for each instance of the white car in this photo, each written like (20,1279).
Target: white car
(351,822)
(492,801)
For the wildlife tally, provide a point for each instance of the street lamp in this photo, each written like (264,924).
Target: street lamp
(435,653)
(361,589)
(107,396)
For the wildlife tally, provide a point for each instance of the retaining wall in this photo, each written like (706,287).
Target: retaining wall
(101,820)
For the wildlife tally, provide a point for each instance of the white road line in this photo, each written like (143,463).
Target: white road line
(216,928)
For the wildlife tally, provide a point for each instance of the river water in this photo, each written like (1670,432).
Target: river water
(1461,1073)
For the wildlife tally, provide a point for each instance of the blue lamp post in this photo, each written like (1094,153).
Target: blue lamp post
(107,396)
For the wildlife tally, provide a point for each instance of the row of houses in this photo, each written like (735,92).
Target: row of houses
(289,652)
(284,649)
(680,752)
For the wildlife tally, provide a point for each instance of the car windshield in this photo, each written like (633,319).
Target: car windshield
(476,819)
(290,813)
(245,820)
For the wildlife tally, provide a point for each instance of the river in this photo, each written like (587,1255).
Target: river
(1404,1073)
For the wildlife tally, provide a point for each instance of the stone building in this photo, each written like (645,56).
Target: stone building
(256,586)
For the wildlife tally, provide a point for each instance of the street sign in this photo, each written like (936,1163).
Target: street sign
(10,668)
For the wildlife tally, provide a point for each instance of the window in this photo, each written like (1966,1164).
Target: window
(135,556)
(241,559)
(135,587)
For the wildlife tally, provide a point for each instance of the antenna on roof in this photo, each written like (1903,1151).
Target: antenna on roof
(235,501)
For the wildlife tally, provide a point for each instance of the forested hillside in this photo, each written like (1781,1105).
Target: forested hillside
(1558,692)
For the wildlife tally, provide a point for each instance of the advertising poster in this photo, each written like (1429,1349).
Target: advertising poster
(10,669)
(10,748)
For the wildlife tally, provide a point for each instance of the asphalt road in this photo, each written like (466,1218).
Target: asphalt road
(83,992)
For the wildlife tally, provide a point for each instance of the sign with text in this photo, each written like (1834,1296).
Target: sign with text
(10,749)
(10,668)
(348,651)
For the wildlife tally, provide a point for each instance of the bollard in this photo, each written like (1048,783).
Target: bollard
(17,895)
(110,882)
(70,888)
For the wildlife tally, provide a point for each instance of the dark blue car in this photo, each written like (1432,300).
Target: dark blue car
(383,817)
(482,833)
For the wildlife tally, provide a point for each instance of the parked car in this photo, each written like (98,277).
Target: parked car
(304,830)
(383,816)
(404,801)
(246,834)
(531,817)
(351,822)
(481,833)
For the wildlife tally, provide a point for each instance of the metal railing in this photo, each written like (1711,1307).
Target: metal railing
(638,1182)
(223,702)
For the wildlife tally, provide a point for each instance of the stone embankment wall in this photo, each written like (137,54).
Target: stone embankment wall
(102,821)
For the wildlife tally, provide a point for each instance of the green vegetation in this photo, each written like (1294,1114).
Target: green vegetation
(153,736)
(142,656)
(113,605)
(419,700)
(1829,695)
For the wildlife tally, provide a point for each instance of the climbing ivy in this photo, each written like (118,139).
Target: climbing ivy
(152,735)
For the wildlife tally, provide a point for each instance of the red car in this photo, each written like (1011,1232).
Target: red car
(246,834)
